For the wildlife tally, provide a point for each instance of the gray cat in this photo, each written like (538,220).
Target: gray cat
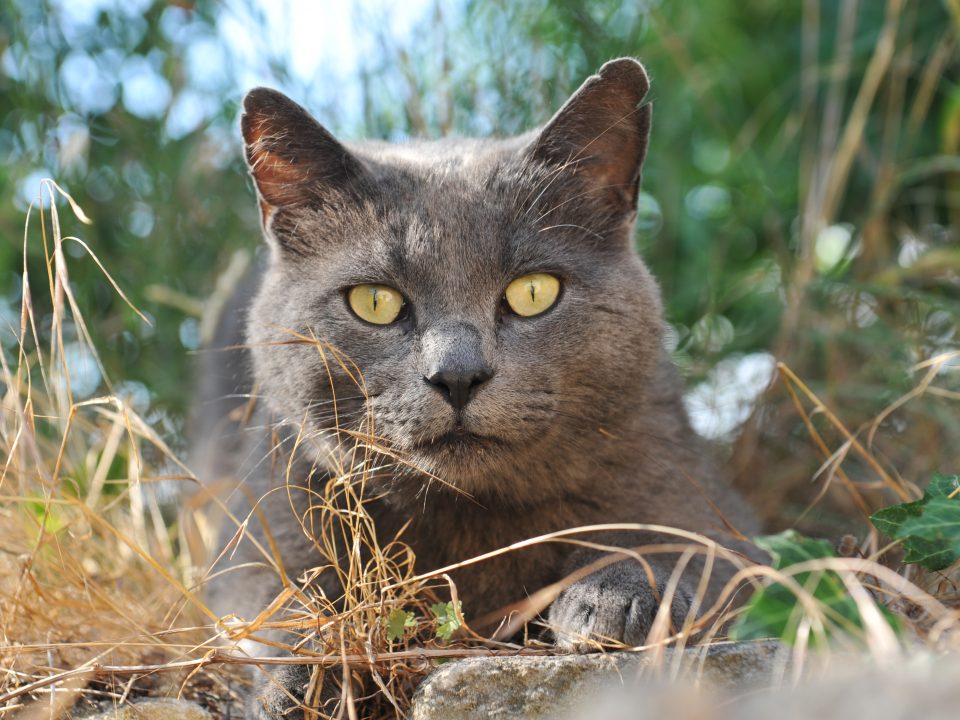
(510,341)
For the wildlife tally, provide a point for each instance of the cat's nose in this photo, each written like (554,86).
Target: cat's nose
(458,384)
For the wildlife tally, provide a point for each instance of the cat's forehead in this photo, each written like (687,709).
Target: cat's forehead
(443,209)
(448,234)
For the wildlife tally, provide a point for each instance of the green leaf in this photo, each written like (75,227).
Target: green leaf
(447,620)
(891,519)
(928,528)
(775,610)
(791,548)
(398,622)
(934,536)
(943,486)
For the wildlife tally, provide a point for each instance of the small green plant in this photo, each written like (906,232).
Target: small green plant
(929,528)
(447,617)
(776,611)
(398,622)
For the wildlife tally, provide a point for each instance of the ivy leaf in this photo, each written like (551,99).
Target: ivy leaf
(928,528)
(446,616)
(775,610)
(938,527)
(398,622)
(943,486)
(891,519)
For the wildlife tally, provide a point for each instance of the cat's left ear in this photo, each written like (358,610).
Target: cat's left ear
(601,133)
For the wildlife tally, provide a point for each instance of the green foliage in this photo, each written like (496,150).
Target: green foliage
(447,620)
(928,528)
(398,622)
(776,612)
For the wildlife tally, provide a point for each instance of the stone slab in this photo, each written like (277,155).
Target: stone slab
(544,688)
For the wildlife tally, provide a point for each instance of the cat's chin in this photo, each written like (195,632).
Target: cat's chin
(457,457)
(458,442)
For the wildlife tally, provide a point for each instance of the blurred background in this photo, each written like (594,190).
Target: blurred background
(800,200)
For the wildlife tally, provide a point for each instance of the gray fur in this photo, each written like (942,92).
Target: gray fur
(582,420)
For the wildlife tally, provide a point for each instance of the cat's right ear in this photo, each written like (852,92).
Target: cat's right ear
(292,158)
(600,135)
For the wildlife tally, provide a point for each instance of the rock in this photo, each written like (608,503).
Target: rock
(837,686)
(734,681)
(542,688)
(155,710)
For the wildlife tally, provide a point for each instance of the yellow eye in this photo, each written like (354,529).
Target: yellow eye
(377,304)
(532,294)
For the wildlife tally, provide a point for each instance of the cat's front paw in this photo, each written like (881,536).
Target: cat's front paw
(280,692)
(613,605)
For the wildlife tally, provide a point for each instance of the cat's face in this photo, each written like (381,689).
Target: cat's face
(478,305)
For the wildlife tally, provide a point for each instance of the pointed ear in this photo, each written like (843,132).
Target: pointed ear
(601,133)
(292,158)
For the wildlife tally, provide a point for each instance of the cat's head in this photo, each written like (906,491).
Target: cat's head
(479,306)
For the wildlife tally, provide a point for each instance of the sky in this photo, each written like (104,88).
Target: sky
(322,43)
(318,36)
